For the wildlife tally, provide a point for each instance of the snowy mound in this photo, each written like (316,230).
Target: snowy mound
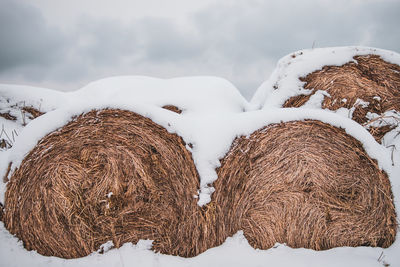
(213,115)
(42,98)
(190,94)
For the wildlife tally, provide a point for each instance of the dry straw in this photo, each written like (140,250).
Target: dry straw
(109,175)
(306,184)
(115,175)
(370,79)
(8,116)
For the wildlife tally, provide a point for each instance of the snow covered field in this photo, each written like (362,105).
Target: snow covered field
(213,114)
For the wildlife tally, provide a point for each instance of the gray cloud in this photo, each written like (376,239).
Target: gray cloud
(104,42)
(237,40)
(247,33)
(163,40)
(26,39)
(273,29)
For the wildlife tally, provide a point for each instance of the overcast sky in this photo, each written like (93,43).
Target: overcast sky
(66,44)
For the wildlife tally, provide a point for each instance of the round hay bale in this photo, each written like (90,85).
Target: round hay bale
(307,184)
(107,175)
(370,79)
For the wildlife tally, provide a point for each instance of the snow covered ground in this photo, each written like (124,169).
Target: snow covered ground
(213,114)
(13,100)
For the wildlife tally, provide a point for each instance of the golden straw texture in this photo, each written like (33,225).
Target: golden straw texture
(306,184)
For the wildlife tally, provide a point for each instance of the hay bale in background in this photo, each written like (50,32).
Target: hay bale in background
(107,175)
(306,184)
(370,79)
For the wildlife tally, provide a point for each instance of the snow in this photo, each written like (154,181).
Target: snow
(213,115)
(191,94)
(43,98)
(234,252)
(316,99)
(15,97)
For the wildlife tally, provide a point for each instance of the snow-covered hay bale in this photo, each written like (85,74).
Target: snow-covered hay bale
(368,84)
(108,175)
(307,184)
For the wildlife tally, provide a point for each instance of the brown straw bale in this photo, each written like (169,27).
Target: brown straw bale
(307,184)
(370,79)
(59,200)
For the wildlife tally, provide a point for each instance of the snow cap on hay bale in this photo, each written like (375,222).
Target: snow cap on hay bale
(369,78)
(307,184)
(107,175)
